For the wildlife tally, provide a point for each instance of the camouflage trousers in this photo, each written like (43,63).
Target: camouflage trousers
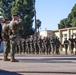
(6,47)
(13,46)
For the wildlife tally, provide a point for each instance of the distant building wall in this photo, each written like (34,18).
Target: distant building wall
(46,33)
(65,33)
(61,33)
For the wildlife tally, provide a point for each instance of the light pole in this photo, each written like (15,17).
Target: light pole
(35,17)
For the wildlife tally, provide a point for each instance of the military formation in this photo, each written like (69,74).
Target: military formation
(37,45)
(46,45)
(71,43)
(13,43)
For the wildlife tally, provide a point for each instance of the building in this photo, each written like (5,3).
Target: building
(65,33)
(46,33)
(61,33)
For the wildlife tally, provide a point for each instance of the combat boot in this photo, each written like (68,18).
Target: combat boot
(13,59)
(6,59)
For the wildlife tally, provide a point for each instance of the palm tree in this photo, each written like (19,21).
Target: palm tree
(38,25)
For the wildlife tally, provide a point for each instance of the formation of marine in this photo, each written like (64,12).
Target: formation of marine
(38,45)
(13,43)
(46,45)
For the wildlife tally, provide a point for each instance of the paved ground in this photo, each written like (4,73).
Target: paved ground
(39,65)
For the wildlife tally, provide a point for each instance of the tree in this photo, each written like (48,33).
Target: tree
(70,18)
(38,23)
(25,9)
(64,24)
(5,8)
(74,22)
(70,21)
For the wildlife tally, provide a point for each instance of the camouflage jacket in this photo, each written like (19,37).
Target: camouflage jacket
(5,31)
(14,25)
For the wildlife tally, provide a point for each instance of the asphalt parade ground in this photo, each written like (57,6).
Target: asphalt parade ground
(30,64)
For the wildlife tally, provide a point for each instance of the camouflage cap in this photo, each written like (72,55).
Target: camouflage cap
(15,14)
(5,19)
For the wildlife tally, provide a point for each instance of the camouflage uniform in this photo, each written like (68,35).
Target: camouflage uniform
(52,41)
(40,41)
(48,45)
(44,45)
(5,36)
(66,43)
(71,41)
(22,46)
(27,45)
(14,36)
(36,45)
(75,44)
(57,44)
(31,45)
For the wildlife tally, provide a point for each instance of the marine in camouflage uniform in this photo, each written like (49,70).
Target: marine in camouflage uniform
(48,45)
(44,45)
(66,43)
(19,47)
(40,41)
(52,41)
(57,45)
(75,44)
(36,45)
(14,35)
(71,42)
(22,46)
(31,45)
(5,36)
(27,46)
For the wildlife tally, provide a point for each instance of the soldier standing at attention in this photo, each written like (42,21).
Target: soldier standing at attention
(57,44)
(31,45)
(66,45)
(71,40)
(52,41)
(14,35)
(75,44)
(27,45)
(22,46)
(5,36)
(40,41)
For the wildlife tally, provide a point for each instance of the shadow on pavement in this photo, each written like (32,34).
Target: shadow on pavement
(48,60)
(47,72)
(4,72)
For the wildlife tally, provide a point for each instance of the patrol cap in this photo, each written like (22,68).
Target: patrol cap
(6,19)
(15,14)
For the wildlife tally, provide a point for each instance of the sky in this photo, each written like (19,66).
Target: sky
(50,12)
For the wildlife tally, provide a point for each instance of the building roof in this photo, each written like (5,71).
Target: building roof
(64,29)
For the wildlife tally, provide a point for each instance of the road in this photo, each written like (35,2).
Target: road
(39,65)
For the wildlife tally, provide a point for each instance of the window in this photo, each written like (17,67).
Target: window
(65,35)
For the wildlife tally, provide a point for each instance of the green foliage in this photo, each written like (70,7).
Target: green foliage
(71,19)
(25,10)
(5,7)
(74,22)
(38,23)
(64,24)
